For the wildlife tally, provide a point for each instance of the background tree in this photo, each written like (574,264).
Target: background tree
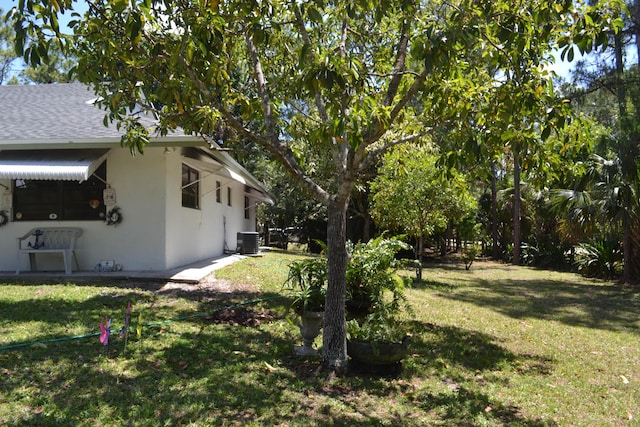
(7,49)
(607,193)
(412,196)
(56,69)
(343,80)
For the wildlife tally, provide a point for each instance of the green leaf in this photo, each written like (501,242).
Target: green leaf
(119,5)
(314,15)
(546,132)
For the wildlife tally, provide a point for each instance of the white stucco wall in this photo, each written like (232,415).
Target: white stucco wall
(194,234)
(156,233)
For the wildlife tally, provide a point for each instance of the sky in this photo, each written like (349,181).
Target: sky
(7,5)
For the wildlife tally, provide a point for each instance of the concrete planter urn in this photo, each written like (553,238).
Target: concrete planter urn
(310,325)
(377,353)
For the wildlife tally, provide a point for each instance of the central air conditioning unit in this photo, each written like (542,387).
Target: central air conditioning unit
(248,242)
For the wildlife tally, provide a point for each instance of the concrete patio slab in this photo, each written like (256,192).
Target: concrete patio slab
(191,273)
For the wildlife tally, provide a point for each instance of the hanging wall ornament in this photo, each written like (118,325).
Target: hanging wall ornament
(114,217)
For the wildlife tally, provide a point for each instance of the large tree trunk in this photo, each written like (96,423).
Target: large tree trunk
(494,213)
(334,339)
(516,207)
(627,247)
(366,227)
(623,153)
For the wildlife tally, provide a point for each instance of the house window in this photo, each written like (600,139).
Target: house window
(37,200)
(247,210)
(190,187)
(229,196)
(218,192)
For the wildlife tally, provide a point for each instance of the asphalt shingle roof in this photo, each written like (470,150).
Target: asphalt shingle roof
(62,116)
(51,112)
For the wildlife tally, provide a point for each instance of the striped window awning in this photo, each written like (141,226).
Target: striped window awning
(59,165)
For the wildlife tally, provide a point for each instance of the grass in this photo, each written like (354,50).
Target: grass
(495,345)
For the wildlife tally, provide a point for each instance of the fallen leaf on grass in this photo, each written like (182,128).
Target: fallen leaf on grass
(624,379)
(270,368)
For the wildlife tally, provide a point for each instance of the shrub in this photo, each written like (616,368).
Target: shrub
(601,258)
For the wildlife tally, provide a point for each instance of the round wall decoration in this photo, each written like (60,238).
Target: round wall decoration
(114,217)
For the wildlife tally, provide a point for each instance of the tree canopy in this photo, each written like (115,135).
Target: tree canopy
(343,80)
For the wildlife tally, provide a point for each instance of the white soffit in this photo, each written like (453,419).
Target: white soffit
(60,165)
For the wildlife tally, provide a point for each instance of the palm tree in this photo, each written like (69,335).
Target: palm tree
(604,200)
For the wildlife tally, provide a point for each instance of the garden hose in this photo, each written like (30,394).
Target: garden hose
(159,322)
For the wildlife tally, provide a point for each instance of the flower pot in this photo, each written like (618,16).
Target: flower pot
(310,325)
(359,305)
(377,353)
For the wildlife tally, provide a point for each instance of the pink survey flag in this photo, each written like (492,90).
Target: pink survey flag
(105,330)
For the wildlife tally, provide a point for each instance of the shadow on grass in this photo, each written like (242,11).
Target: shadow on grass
(596,305)
(465,362)
(438,347)
(206,374)
(214,378)
(51,306)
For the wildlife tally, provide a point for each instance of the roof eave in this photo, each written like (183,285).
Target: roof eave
(105,142)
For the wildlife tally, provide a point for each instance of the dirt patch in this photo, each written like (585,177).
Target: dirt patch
(241,316)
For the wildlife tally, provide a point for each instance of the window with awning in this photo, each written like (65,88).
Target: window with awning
(56,185)
(65,165)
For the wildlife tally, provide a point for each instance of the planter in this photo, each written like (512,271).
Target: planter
(359,305)
(377,353)
(311,323)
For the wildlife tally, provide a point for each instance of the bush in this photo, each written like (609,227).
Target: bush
(307,282)
(372,270)
(601,258)
(469,254)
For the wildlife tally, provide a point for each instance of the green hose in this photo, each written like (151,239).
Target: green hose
(159,322)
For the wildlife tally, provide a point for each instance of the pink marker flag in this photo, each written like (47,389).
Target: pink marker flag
(105,330)
(127,317)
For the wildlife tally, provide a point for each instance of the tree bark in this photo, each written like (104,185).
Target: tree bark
(419,255)
(623,154)
(627,245)
(516,207)
(635,18)
(334,339)
(494,213)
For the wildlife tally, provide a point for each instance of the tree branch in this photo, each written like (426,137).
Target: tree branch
(395,111)
(322,109)
(261,85)
(374,154)
(274,146)
(399,67)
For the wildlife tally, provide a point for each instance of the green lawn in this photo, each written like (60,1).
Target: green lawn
(496,345)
